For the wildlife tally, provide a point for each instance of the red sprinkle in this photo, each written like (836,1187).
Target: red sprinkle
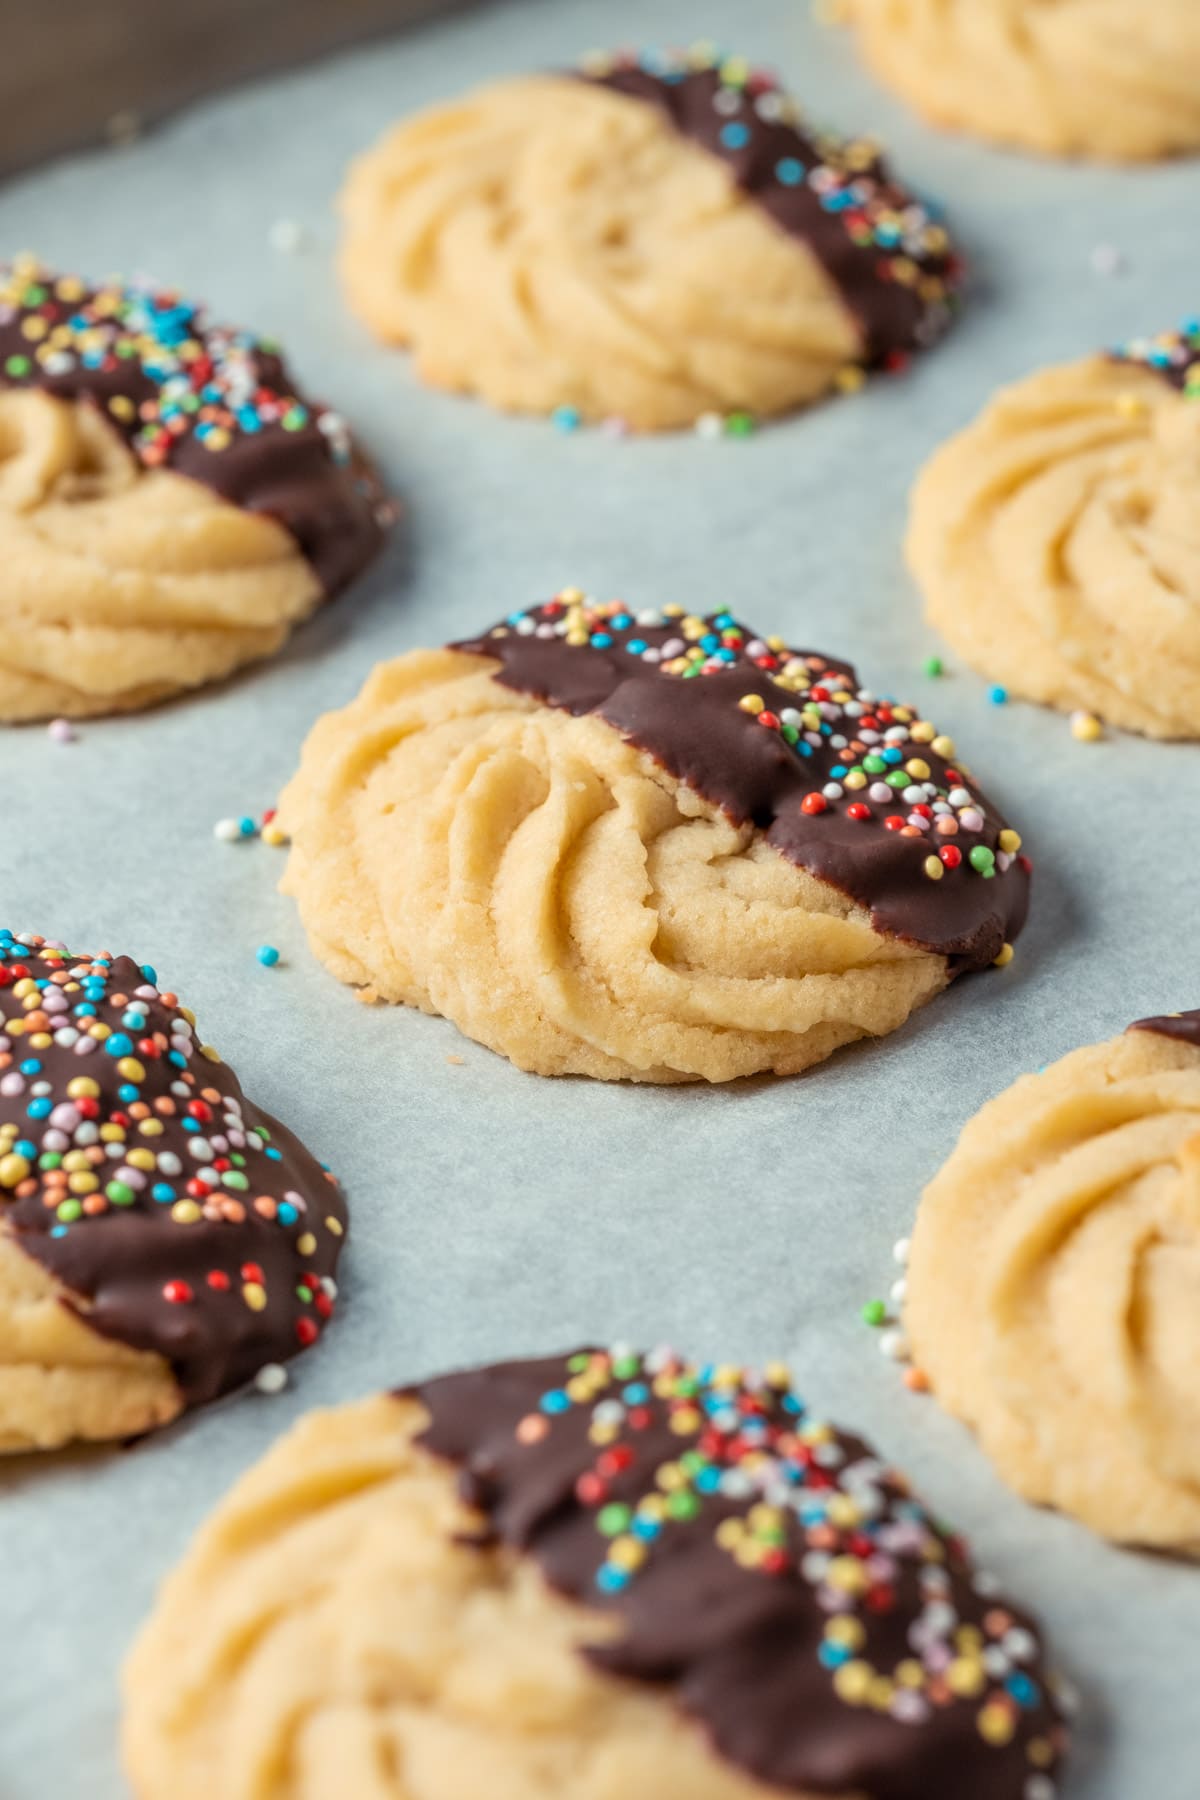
(178,1292)
(951,855)
(814,803)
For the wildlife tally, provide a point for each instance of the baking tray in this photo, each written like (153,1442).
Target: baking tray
(494,1212)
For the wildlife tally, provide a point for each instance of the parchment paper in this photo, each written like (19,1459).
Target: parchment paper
(495,1213)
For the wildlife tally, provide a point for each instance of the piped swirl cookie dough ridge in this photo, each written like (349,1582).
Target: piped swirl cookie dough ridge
(1052,1294)
(170,506)
(647,239)
(603,1574)
(162,1240)
(1057,538)
(647,846)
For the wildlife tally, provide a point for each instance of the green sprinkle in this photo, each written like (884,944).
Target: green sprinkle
(874,765)
(119,1193)
(683,1504)
(16,366)
(69,1211)
(613,1519)
(740,425)
(898,779)
(874,1313)
(231,1179)
(983,860)
(933,665)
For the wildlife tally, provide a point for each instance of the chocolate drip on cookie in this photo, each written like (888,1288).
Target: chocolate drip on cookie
(859,791)
(208,402)
(1173,355)
(178,1217)
(1184,1026)
(892,262)
(766,1568)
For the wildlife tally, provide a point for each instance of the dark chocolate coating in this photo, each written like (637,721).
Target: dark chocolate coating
(121,1262)
(696,729)
(1184,1027)
(750,1649)
(894,315)
(1174,356)
(334,509)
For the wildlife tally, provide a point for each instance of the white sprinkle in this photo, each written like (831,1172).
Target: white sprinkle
(898,1292)
(900,1250)
(228,830)
(62,731)
(709,425)
(894,1345)
(287,237)
(1106,259)
(272,1378)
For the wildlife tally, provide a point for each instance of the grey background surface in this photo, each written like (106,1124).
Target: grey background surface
(494,1212)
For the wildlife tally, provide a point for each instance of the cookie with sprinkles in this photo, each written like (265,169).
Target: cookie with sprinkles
(171,506)
(1116,80)
(646,845)
(589,1577)
(1057,538)
(650,240)
(1053,1284)
(162,1240)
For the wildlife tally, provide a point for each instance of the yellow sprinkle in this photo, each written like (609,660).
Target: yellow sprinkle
(934,868)
(82,1184)
(99,1032)
(910,1673)
(778,1375)
(1086,727)
(1010,841)
(34,327)
(1005,956)
(306,1243)
(852,1683)
(843,1511)
(903,714)
(141,1159)
(881,1693)
(185,1012)
(25,989)
(13,1169)
(571,596)
(627,1553)
(847,1575)
(917,768)
(255,1296)
(943,746)
(69,288)
(210,1055)
(40,1040)
(966,1677)
(122,407)
(186,1212)
(849,1632)
(730,1533)
(112,1134)
(131,1068)
(996,1724)
(854,780)
(923,732)
(334,1225)
(150,1128)
(83,1088)
(752,703)
(275,835)
(849,379)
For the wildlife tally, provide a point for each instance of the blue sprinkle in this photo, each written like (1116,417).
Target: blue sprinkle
(150,973)
(286,1213)
(998,695)
(635,646)
(555,1401)
(601,641)
(31,1066)
(177,1059)
(127,1092)
(267,955)
(610,1580)
(39,1109)
(247,827)
(23,1147)
(789,171)
(118,1044)
(892,755)
(277,1155)
(636,1394)
(565,418)
(735,136)
(163,1192)
(832,1656)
